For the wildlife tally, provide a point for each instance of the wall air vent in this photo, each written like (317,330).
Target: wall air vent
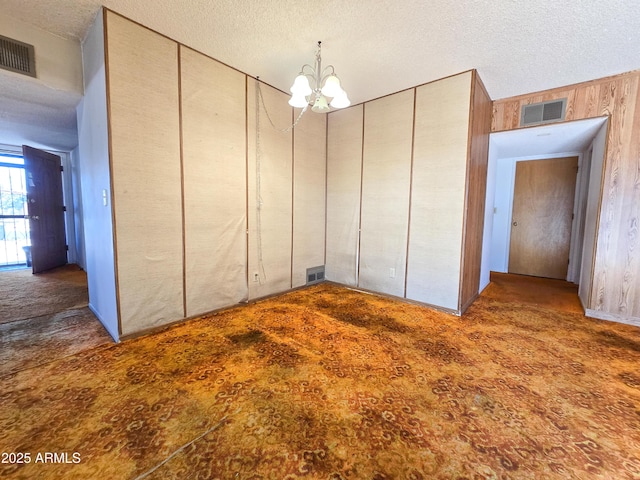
(543,112)
(17,57)
(315,275)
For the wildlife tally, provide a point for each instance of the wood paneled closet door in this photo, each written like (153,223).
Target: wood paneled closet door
(543,200)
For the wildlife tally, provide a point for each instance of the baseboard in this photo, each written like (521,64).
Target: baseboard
(468,304)
(100,319)
(635,321)
(457,313)
(164,326)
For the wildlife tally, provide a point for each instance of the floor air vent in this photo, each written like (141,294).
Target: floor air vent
(17,56)
(543,112)
(315,275)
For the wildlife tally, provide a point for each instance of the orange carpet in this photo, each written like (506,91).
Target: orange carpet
(25,295)
(330,383)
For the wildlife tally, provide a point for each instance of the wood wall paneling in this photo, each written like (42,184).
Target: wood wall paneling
(594,177)
(616,285)
(309,179)
(270,152)
(438,191)
(214,166)
(145,156)
(386,177)
(344,172)
(479,130)
(616,277)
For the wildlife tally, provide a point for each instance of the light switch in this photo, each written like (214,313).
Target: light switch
(105,199)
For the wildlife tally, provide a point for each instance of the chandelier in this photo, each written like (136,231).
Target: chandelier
(325,86)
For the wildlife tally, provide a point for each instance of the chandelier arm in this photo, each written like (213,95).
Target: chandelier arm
(324,75)
(306,65)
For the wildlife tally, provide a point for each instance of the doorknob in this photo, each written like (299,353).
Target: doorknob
(515,224)
(32,217)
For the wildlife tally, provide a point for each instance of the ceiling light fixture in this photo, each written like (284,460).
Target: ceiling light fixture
(325,84)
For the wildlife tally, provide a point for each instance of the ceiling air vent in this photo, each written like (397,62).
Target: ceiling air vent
(17,56)
(543,112)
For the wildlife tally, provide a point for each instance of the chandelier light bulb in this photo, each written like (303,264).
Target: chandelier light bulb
(320,105)
(298,101)
(332,87)
(341,100)
(301,86)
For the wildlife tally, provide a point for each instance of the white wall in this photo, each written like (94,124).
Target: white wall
(58,60)
(78,216)
(487,234)
(93,152)
(501,207)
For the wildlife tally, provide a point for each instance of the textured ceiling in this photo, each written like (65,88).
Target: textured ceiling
(383,46)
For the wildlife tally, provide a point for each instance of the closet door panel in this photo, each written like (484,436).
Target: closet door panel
(144,117)
(214,165)
(309,186)
(438,195)
(344,172)
(386,177)
(270,175)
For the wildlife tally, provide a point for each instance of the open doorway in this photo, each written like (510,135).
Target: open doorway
(32,211)
(15,241)
(542,217)
(580,139)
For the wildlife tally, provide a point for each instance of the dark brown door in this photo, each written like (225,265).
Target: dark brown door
(543,200)
(46,209)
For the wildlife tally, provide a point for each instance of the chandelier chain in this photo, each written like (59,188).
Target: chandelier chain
(264,107)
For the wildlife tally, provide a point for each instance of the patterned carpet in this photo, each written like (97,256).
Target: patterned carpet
(330,383)
(25,295)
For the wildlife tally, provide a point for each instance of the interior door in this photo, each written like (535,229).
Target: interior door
(543,200)
(46,209)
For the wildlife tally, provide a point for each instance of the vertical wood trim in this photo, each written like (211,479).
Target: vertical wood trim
(465,211)
(361,185)
(413,142)
(112,201)
(246,183)
(617,267)
(293,192)
(475,192)
(326,187)
(184,227)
